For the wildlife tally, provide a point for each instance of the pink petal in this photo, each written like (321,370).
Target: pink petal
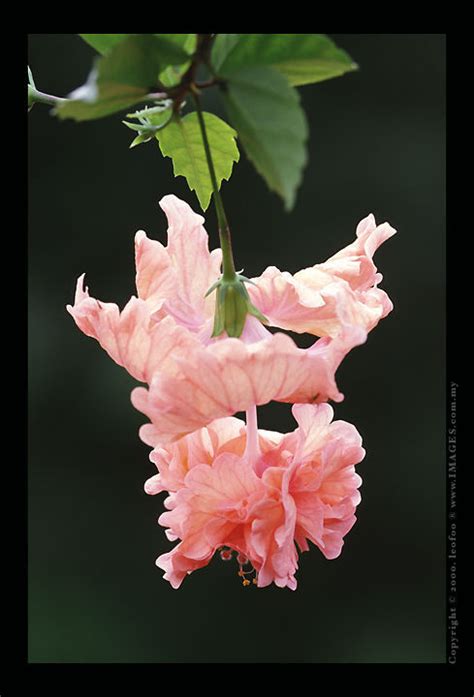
(155,277)
(354,263)
(175,279)
(313,421)
(287,303)
(220,380)
(129,337)
(188,248)
(273,549)
(311,300)
(324,358)
(209,511)
(325,484)
(225,485)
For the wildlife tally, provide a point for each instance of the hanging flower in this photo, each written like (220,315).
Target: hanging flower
(258,494)
(164,336)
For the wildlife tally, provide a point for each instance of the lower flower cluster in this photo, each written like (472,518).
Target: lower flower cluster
(257,496)
(259,493)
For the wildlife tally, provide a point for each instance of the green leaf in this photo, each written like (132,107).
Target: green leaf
(302,58)
(185,41)
(122,77)
(266,113)
(222,45)
(103,42)
(172,75)
(182,141)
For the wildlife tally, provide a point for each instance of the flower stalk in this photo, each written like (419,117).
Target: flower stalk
(228,265)
(232,299)
(35,95)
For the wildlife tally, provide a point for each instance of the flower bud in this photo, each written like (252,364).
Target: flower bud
(233,304)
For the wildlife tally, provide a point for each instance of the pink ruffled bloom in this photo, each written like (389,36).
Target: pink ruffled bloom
(260,494)
(163,336)
(232,487)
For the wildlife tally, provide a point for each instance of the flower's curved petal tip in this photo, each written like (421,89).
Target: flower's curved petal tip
(163,562)
(373,235)
(147,434)
(366,224)
(359,335)
(307,415)
(387,230)
(174,207)
(169,200)
(333,553)
(140,236)
(82,291)
(153,485)
(138,397)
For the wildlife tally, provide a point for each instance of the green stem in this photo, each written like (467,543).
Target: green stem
(228,266)
(35,95)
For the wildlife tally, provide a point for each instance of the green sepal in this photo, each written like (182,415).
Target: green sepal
(218,326)
(151,121)
(233,304)
(31,90)
(141,138)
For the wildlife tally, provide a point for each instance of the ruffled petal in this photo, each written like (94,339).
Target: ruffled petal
(188,248)
(155,275)
(174,279)
(222,379)
(325,484)
(201,447)
(311,300)
(355,263)
(130,338)
(324,358)
(208,512)
(313,422)
(274,553)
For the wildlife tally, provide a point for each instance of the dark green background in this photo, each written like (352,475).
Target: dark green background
(376,145)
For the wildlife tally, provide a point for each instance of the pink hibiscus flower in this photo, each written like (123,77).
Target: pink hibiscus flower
(163,336)
(259,494)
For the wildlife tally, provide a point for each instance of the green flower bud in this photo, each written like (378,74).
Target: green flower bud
(233,304)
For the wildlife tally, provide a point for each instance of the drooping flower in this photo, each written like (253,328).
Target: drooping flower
(259,494)
(163,337)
